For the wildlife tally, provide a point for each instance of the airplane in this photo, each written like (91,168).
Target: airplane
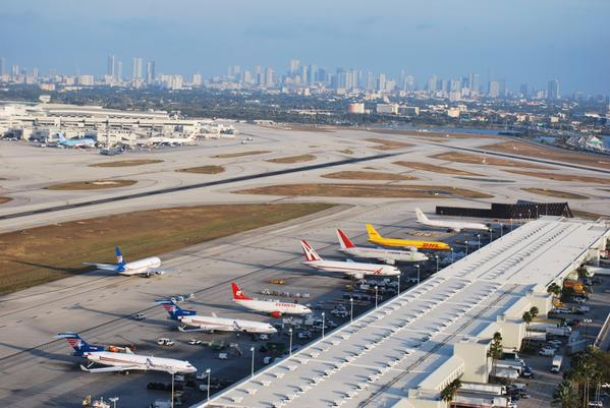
(190,318)
(451,226)
(145,267)
(389,256)
(122,362)
(74,143)
(275,308)
(376,238)
(356,270)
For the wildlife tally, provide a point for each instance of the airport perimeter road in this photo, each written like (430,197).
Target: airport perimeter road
(100,307)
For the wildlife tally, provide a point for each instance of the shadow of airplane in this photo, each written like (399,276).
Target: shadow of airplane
(72,271)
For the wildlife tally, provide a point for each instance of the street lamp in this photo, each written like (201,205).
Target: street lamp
(209,373)
(501,230)
(173,373)
(491,235)
(398,289)
(351,309)
(436,256)
(466,242)
(376,296)
(451,255)
(418,279)
(113,400)
(290,349)
(479,240)
(323,323)
(252,366)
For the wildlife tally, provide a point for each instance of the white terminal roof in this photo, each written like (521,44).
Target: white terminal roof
(399,346)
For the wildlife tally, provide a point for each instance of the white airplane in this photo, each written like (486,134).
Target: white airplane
(389,256)
(121,362)
(274,307)
(455,226)
(190,321)
(145,267)
(356,270)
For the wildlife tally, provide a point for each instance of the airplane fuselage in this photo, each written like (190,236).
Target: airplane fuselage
(356,269)
(405,243)
(140,266)
(385,255)
(273,307)
(211,323)
(140,362)
(455,225)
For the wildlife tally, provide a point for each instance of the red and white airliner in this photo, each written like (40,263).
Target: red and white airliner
(273,307)
(355,269)
(389,256)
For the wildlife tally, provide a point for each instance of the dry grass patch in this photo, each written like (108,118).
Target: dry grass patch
(436,136)
(126,163)
(435,169)
(368,175)
(550,153)
(384,144)
(34,256)
(91,185)
(562,177)
(240,154)
(365,190)
(587,215)
(555,193)
(293,159)
(211,169)
(346,151)
(4,200)
(468,158)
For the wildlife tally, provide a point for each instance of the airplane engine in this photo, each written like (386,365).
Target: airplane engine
(276,315)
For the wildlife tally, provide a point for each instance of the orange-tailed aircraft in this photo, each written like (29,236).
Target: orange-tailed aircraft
(377,239)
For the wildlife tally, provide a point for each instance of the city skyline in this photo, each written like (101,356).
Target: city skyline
(497,40)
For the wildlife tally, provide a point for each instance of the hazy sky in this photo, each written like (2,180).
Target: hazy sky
(518,40)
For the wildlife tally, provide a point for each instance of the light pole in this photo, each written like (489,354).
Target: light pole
(466,242)
(351,309)
(290,349)
(209,373)
(323,324)
(113,400)
(491,235)
(479,240)
(451,255)
(376,296)
(436,256)
(398,289)
(173,374)
(252,366)
(418,279)
(501,230)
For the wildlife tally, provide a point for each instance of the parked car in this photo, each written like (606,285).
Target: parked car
(223,356)
(138,316)
(164,341)
(547,351)
(195,342)
(527,372)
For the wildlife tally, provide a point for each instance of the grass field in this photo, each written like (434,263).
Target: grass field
(587,215)
(368,175)
(211,169)
(91,185)
(435,169)
(550,153)
(34,256)
(555,193)
(365,190)
(384,144)
(5,200)
(563,177)
(293,159)
(240,154)
(126,163)
(484,160)
(346,151)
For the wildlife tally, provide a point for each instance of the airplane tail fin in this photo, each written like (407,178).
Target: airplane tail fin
(119,256)
(421,217)
(310,253)
(238,294)
(175,311)
(344,240)
(373,234)
(79,345)
(61,136)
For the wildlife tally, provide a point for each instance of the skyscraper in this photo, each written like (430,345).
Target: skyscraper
(295,65)
(2,66)
(111,69)
(494,89)
(150,72)
(119,71)
(137,69)
(552,92)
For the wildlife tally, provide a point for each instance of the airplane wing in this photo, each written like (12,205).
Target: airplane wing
(102,267)
(146,274)
(112,369)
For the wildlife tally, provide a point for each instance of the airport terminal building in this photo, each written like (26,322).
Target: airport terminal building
(405,352)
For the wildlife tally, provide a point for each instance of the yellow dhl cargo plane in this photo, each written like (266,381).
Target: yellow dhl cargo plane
(376,238)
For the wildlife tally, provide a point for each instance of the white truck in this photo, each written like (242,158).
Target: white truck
(493,389)
(556,366)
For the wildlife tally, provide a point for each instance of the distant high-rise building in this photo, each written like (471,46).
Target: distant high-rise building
(295,65)
(494,89)
(269,78)
(111,69)
(137,69)
(150,72)
(2,66)
(474,83)
(432,84)
(552,91)
(197,80)
(381,83)
(119,71)
(523,90)
(15,71)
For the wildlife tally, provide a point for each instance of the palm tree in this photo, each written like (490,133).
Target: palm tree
(534,312)
(565,396)
(495,351)
(448,393)
(527,318)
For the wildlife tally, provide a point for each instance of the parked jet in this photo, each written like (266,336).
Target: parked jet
(146,267)
(455,226)
(389,256)
(74,143)
(273,307)
(376,238)
(191,321)
(356,270)
(116,362)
